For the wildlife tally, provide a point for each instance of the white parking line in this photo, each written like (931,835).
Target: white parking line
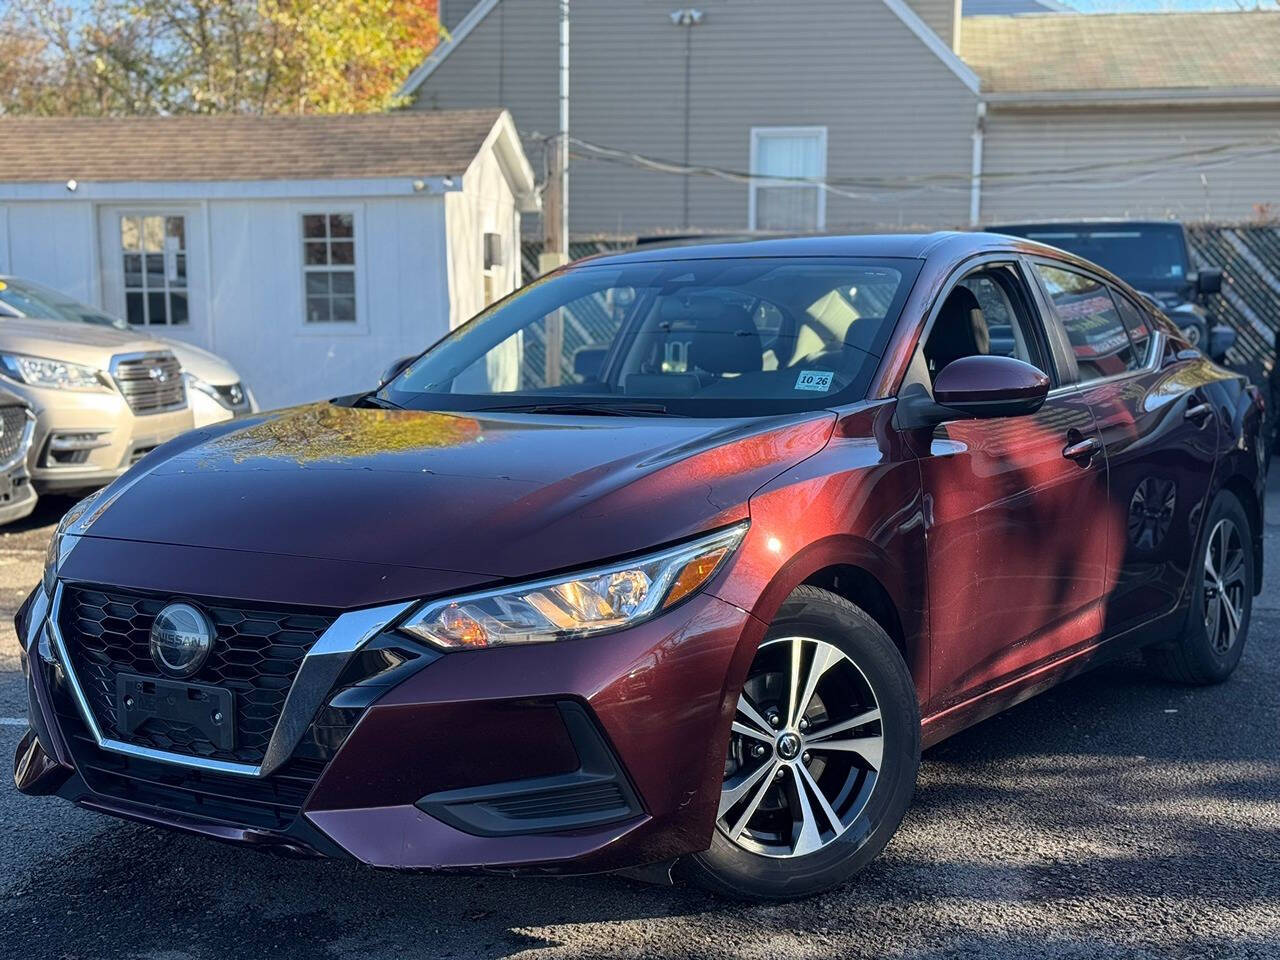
(13,721)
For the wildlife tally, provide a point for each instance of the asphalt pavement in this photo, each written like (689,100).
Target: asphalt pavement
(1115,816)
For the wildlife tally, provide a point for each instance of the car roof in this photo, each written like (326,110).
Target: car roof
(916,246)
(1079,225)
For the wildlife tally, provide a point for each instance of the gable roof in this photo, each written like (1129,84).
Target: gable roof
(1229,51)
(212,148)
(483,8)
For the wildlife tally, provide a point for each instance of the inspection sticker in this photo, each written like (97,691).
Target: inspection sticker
(819,380)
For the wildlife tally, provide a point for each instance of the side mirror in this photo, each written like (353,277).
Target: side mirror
(1209,280)
(991,386)
(1221,339)
(588,361)
(395,370)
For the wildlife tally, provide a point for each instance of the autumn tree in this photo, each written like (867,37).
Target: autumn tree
(210,56)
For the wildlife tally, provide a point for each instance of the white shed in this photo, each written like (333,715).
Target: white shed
(309,251)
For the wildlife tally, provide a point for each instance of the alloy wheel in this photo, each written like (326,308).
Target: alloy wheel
(805,751)
(1224,585)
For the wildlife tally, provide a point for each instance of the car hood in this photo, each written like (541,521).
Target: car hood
(202,364)
(84,343)
(498,495)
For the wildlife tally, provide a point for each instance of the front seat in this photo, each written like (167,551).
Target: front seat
(959,331)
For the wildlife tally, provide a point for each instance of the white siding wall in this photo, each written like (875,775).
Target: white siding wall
(54,244)
(1129,140)
(812,62)
(485,204)
(257,300)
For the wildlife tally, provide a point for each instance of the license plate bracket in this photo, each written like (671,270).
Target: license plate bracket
(210,710)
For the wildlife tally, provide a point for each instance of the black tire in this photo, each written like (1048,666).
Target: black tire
(731,871)
(1195,656)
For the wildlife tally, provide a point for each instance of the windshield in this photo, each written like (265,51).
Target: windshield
(716,337)
(1144,256)
(34,302)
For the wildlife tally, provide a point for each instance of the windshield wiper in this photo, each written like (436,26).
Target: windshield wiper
(373,400)
(587,409)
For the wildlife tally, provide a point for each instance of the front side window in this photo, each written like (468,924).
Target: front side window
(787,167)
(154,248)
(1092,322)
(714,337)
(329,267)
(985,313)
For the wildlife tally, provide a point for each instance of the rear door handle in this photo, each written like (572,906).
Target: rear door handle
(1082,450)
(1198,412)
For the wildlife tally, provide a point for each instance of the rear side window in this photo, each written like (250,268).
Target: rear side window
(1092,322)
(1137,323)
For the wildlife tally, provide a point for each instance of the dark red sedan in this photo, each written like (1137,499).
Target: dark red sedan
(672,558)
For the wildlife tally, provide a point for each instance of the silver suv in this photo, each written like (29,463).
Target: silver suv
(102,398)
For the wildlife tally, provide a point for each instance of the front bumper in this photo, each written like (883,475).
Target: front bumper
(576,756)
(84,440)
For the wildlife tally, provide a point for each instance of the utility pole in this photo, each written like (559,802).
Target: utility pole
(555,208)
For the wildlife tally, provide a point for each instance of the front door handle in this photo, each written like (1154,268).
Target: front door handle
(1198,412)
(1083,450)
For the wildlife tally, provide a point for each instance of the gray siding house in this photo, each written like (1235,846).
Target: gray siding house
(829,114)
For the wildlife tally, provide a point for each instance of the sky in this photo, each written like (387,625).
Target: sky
(1111,6)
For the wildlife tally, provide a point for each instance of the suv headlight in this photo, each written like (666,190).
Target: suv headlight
(229,398)
(596,601)
(46,372)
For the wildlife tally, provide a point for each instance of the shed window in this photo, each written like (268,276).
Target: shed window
(154,250)
(788,165)
(329,267)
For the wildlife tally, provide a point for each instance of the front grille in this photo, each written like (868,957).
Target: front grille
(13,427)
(256,654)
(576,800)
(151,382)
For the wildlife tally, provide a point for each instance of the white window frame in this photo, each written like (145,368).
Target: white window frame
(760,133)
(360,273)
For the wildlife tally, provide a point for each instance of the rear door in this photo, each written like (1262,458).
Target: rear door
(1160,434)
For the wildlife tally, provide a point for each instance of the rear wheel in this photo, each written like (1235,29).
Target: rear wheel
(1212,642)
(822,758)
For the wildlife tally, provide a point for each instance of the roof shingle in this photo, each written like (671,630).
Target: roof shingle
(1140,51)
(418,143)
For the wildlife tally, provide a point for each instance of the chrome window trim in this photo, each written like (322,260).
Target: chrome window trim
(345,636)
(24,442)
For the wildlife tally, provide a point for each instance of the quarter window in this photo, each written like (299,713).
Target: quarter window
(329,267)
(1092,322)
(154,252)
(1136,322)
(787,167)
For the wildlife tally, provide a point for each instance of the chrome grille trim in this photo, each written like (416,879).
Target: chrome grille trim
(19,425)
(151,382)
(348,634)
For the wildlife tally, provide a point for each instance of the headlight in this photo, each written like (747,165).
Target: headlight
(44,372)
(230,398)
(59,544)
(597,601)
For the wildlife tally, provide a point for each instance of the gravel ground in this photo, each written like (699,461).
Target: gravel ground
(1114,816)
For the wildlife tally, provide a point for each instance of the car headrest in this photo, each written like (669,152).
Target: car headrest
(726,341)
(959,331)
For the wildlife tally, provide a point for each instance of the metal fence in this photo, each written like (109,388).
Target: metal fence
(1249,256)
(1250,302)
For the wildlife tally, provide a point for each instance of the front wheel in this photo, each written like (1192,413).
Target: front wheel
(822,757)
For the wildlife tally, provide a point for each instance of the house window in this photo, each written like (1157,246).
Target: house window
(154,251)
(787,166)
(329,267)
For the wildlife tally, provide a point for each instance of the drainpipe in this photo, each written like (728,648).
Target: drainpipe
(975,173)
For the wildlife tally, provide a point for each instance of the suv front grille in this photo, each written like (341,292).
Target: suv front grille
(13,427)
(150,382)
(256,654)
